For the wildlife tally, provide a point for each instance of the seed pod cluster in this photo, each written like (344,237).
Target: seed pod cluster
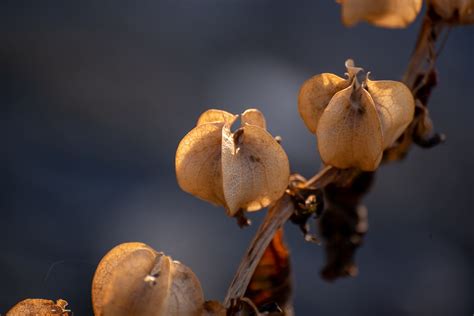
(242,170)
(454,11)
(134,279)
(39,307)
(354,121)
(382,13)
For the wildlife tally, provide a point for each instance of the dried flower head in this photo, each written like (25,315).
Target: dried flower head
(242,170)
(134,279)
(40,307)
(354,121)
(454,11)
(382,13)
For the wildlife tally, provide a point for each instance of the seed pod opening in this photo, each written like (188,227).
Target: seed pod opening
(41,307)
(134,279)
(382,13)
(354,121)
(245,169)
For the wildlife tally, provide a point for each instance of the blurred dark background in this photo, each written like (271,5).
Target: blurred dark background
(95,96)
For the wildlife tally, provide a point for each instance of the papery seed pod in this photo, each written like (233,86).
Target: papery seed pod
(134,279)
(214,308)
(39,307)
(241,170)
(382,13)
(454,11)
(354,122)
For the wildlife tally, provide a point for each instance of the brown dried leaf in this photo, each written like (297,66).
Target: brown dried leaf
(315,95)
(395,105)
(349,132)
(39,307)
(382,13)
(271,282)
(133,279)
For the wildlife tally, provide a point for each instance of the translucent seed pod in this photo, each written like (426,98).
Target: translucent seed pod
(39,307)
(134,279)
(245,169)
(354,121)
(381,13)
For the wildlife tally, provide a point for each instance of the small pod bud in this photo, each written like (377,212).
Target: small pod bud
(382,13)
(354,122)
(242,170)
(134,279)
(39,307)
(454,11)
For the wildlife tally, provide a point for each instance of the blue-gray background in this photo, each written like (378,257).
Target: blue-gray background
(95,96)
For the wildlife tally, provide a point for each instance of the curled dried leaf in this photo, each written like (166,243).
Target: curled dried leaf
(354,122)
(244,169)
(382,13)
(39,307)
(454,11)
(134,279)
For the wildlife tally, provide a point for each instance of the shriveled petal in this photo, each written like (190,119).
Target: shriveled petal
(396,106)
(315,95)
(255,169)
(253,117)
(198,163)
(383,13)
(213,116)
(349,132)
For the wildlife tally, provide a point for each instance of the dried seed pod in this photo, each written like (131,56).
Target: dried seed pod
(454,11)
(354,122)
(214,308)
(382,13)
(39,307)
(134,279)
(241,170)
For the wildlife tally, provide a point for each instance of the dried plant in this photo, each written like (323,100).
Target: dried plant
(359,124)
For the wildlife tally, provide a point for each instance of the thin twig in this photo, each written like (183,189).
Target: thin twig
(277,215)
(275,218)
(423,54)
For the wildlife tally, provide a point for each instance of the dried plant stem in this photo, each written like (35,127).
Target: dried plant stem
(277,215)
(275,218)
(424,53)
(416,77)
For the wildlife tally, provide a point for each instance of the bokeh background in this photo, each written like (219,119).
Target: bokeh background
(95,96)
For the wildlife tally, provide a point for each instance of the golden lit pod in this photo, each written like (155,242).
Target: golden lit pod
(39,307)
(354,122)
(454,11)
(134,279)
(382,13)
(245,169)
